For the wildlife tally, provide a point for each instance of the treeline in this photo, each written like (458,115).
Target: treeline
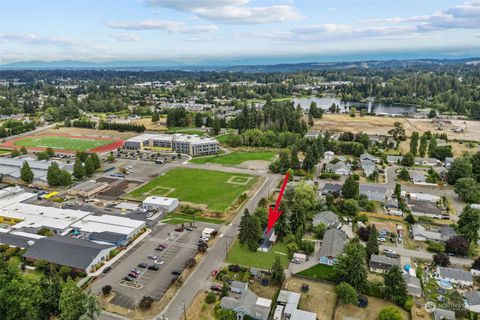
(278,116)
(81,123)
(14,127)
(106,125)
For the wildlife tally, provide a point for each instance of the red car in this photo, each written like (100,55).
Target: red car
(214,273)
(179,229)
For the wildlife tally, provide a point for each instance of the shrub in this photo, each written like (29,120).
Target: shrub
(435,246)
(390,313)
(106,289)
(145,303)
(210,298)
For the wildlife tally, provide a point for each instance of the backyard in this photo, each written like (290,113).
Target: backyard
(235,158)
(318,272)
(263,260)
(214,189)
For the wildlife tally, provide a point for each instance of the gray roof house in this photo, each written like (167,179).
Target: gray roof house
(472,301)
(394,159)
(420,233)
(425,208)
(368,157)
(414,287)
(442,314)
(382,264)
(328,218)
(426,161)
(340,168)
(248,304)
(268,240)
(289,300)
(417,176)
(448,161)
(368,167)
(76,253)
(238,287)
(374,192)
(331,188)
(333,243)
(455,276)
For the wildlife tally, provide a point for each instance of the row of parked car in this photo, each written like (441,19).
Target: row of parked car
(154,265)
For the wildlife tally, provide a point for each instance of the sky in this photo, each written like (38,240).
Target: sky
(197,31)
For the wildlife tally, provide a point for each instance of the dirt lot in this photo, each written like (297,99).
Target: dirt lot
(320,298)
(375,305)
(419,313)
(147,122)
(92,132)
(381,125)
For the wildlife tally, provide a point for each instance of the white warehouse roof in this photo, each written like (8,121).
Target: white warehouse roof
(161,201)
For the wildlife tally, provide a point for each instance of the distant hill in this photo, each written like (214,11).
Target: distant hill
(233,66)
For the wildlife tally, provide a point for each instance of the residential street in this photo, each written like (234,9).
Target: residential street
(419,254)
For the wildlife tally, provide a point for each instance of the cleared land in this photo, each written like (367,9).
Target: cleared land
(203,187)
(381,125)
(179,218)
(62,143)
(375,305)
(264,260)
(235,158)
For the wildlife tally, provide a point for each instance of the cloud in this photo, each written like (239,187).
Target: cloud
(170,26)
(37,39)
(231,11)
(127,37)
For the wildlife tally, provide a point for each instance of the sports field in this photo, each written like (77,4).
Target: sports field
(215,189)
(235,158)
(65,143)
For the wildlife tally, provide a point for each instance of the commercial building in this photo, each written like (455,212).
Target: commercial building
(97,225)
(160,203)
(11,167)
(189,144)
(87,189)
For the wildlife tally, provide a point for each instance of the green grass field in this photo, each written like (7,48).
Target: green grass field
(235,158)
(264,260)
(58,142)
(320,272)
(179,218)
(216,189)
(4,151)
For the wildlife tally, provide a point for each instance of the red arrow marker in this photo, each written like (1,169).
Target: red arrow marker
(274,214)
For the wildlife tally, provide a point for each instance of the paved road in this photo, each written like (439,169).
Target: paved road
(215,255)
(419,254)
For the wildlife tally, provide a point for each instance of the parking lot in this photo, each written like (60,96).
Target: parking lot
(180,247)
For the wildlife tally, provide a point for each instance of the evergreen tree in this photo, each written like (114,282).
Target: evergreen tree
(91,308)
(250,233)
(72,301)
(97,164)
(53,174)
(460,168)
(199,120)
(155,117)
(372,243)
(277,271)
(351,266)
(26,173)
(294,162)
(423,146)
(216,126)
(395,286)
(78,169)
(414,143)
(408,160)
(432,147)
(351,188)
(310,159)
(475,161)
(89,166)
(346,293)
(469,224)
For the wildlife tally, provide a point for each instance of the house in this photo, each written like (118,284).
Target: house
(160,203)
(455,276)
(392,207)
(442,314)
(448,161)
(385,229)
(368,167)
(300,257)
(420,233)
(417,176)
(331,188)
(414,287)
(382,264)
(381,139)
(328,156)
(268,240)
(248,304)
(238,287)
(425,208)
(430,162)
(424,197)
(472,301)
(374,192)
(328,218)
(340,168)
(287,304)
(78,254)
(394,159)
(332,246)
(369,157)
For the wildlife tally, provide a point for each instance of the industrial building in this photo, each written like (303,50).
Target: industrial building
(10,167)
(160,203)
(193,145)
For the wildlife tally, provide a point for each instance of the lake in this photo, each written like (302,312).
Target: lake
(372,107)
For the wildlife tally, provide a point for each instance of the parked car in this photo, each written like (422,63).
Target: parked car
(135,270)
(216,287)
(142,265)
(153,267)
(107,269)
(214,273)
(296,260)
(159,248)
(189,228)
(152,257)
(179,229)
(129,279)
(133,274)
(176,272)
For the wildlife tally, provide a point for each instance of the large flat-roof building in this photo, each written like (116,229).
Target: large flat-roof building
(189,144)
(160,203)
(10,167)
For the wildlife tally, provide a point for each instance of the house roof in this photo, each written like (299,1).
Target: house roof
(473,298)
(419,230)
(106,236)
(422,206)
(331,187)
(66,251)
(298,314)
(442,314)
(239,285)
(414,286)
(374,192)
(383,262)
(268,238)
(394,158)
(455,274)
(333,243)
(337,166)
(328,218)
(248,303)
(15,240)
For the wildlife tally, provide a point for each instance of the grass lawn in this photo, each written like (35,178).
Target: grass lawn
(211,188)
(235,158)
(179,218)
(223,139)
(58,142)
(263,260)
(320,271)
(4,151)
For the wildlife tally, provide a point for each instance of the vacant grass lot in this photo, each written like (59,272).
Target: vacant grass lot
(320,272)
(179,218)
(235,158)
(64,143)
(207,187)
(263,260)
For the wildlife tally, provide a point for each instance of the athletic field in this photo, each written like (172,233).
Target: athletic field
(235,158)
(215,189)
(65,143)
